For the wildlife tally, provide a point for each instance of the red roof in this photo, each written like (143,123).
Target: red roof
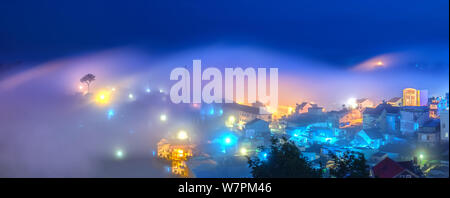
(387,168)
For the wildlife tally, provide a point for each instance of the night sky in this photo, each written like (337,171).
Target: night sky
(339,33)
(322,48)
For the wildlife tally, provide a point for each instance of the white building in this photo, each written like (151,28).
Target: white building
(444,125)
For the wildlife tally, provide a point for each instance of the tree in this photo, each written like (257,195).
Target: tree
(284,160)
(87,79)
(350,165)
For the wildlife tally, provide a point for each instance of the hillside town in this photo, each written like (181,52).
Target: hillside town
(402,137)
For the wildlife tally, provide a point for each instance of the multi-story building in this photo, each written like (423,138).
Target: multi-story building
(364,103)
(384,117)
(444,126)
(429,133)
(396,101)
(413,97)
(412,118)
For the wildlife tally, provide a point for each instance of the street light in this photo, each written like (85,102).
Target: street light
(119,154)
(182,135)
(243,151)
(163,117)
(231,119)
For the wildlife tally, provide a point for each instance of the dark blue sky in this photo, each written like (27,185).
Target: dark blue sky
(332,31)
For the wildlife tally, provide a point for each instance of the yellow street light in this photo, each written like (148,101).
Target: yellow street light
(182,135)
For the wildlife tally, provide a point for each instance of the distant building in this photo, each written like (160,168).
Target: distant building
(444,126)
(396,101)
(413,97)
(303,107)
(372,138)
(257,132)
(352,117)
(429,133)
(412,118)
(385,117)
(315,110)
(364,103)
(244,113)
(389,168)
(437,104)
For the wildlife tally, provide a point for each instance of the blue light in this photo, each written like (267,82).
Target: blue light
(220,112)
(229,140)
(263,155)
(110,113)
(211,111)
(148,90)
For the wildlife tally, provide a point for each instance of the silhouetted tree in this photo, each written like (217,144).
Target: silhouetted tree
(87,79)
(284,160)
(350,165)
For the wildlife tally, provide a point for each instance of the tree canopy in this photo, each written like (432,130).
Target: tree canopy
(284,160)
(350,165)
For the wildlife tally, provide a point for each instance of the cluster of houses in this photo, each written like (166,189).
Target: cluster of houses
(389,134)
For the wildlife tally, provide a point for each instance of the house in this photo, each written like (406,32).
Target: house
(388,168)
(372,138)
(244,113)
(303,107)
(364,103)
(395,102)
(316,110)
(385,117)
(412,118)
(429,133)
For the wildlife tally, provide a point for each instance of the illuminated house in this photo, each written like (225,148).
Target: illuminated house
(176,152)
(364,103)
(396,101)
(444,126)
(413,97)
(412,118)
(245,113)
(352,118)
(437,104)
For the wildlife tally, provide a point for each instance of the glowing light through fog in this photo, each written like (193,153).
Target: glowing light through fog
(111,113)
(148,90)
(119,154)
(380,63)
(182,135)
(163,117)
(351,102)
(102,97)
(130,96)
(243,151)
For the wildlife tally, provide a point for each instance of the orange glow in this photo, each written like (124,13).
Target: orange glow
(103,97)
